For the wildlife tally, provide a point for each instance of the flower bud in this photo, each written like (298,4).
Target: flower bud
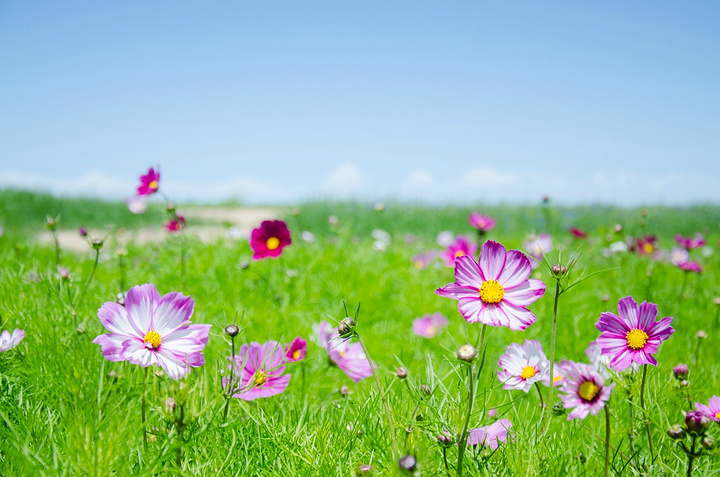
(83,232)
(681,371)
(97,244)
(408,462)
(379,207)
(558,271)
(492,413)
(244,264)
(425,389)
(295,212)
(232,330)
(64,273)
(676,432)
(346,327)
(344,390)
(697,422)
(170,207)
(466,353)
(51,223)
(444,440)
(112,376)
(170,404)
(120,299)
(401,373)
(701,335)
(558,409)
(618,228)
(708,442)
(365,469)
(684,383)
(716,300)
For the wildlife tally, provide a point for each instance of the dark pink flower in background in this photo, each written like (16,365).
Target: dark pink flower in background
(459,248)
(712,410)
(647,245)
(175,224)
(577,233)
(296,350)
(689,243)
(496,289)
(632,336)
(584,391)
(149,183)
(349,357)
(258,371)
(9,341)
(269,239)
(690,266)
(483,223)
(429,325)
(422,260)
(490,436)
(153,331)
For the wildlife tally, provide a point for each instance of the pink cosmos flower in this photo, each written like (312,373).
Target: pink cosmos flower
(422,260)
(484,223)
(690,243)
(577,233)
(712,410)
(258,371)
(523,365)
(600,362)
(297,350)
(149,183)
(269,239)
(138,204)
(490,436)
(558,373)
(9,341)
(459,248)
(647,245)
(175,224)
(690,266)
(153,331)
(584,391)
(634,335)
(537,246)
(496,289)
(679,255)
(429,325)
(347,356)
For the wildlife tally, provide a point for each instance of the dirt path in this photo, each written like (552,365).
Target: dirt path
(243,220)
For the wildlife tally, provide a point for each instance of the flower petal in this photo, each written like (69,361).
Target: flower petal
(526,293)
(517,269)
(172,311)
(140,304)
(467,272)
(492,259)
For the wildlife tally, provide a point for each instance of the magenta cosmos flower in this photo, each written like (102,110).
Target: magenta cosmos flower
(258,371)
(584,391)
(269,239)
(577,233)
(347,356)
(153,331)
(523,365)
(175,224)
(490,436)
(496,289)
(634,335)
(483,223)
(9,341)
(459,248)
(690,266)
(429,325)
(690,243)
(297,350)
(712,410)
(149,183)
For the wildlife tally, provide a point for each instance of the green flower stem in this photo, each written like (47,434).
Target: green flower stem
(231,383)
(607,438)
(143,409)
(645,414)
(691,457)
(87,282)
(471,401)
(551,392)
(542,402)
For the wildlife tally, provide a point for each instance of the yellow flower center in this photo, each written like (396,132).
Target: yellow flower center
(272,243)
(459,254)
(528,372)
(588,390)
(260,378)
(296,354)
(648,248)
(430,330)
(153,185)
(636,339)
(418,264)
(717,415)
(557,378)
(152,337)
(491,292)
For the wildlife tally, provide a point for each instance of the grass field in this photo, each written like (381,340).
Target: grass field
(65,410)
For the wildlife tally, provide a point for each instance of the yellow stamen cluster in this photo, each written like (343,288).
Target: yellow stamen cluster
(296,354)
(152,337)
(272,243)
(491,292)
(648,248)
(260,378)
(636,339)
(459,254)
(528,372)
(717,415)
(588,390)
(153,185)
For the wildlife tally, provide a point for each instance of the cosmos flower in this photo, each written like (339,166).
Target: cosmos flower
(9,341)
(483,223)
(422,260)
(175,224)
(137,204)
(269,239)
(429,325)
(577,233)
(258,371)
(712,410)
(490,436)
(347,356)
(296,350)
(153,331)
(495,290)
(599,361)
(647,245)
(634,335)
(149,183)
(679,255)
(558,373)
(523,365)
(537,246)
(445,238)
(690,243)
(584,391)
(459,248)
(694,267)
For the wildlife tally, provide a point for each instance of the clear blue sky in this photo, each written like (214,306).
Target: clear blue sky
(440,101)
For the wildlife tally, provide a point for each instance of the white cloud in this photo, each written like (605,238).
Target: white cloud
(345,181)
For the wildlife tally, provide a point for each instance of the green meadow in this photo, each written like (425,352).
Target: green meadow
(66,410)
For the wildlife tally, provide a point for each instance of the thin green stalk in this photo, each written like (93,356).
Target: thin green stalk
(631,420)
(645,414)
(56,243)
(471,401)
(143,409)
(231,383)
(386,405)
(180,423)
(551,392)
(542,401)
(87,282)
(691,457)
(607,438)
